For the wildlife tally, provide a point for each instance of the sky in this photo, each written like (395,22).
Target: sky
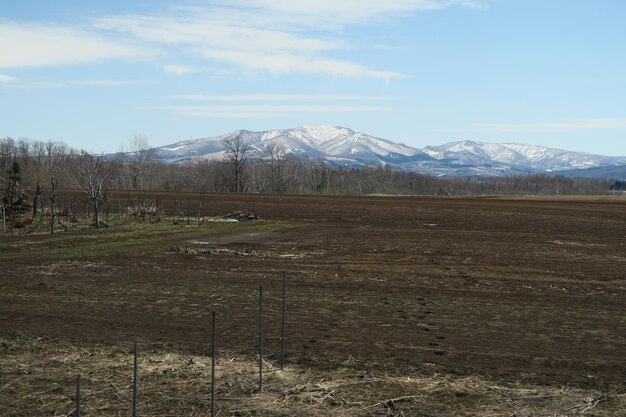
(92,74)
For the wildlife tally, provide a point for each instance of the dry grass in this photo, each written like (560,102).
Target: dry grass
(617,197)
(37,379)
(131,236)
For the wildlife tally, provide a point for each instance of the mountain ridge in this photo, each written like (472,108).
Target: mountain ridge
(343,147)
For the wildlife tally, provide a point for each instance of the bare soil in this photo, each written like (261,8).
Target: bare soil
(528,291)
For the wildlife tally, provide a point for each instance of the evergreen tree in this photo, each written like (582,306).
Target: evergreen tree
(15,200)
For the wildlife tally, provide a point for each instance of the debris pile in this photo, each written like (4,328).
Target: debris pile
(241,216)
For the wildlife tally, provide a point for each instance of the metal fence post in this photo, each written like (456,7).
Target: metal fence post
(135,351)
(213,366)
(260,338)
(77,413)
(282,323)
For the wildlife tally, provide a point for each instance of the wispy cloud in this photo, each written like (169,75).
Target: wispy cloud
(72,83)
(6,78)
(247,47)
(270,97)
(326,14)
(267,111)
(43,45)
(178,69)
(278,36)
(208,31)
(567,124)
(290,63)
(252,106)
(468,4)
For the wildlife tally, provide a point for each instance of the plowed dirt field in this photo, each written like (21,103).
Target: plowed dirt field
(529,289)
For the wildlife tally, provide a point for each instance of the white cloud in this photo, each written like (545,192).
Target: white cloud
(37,45)
(179,69)
(6,78)
(209,32)
(279,36)
(248,48)
(568,124)
(74,83)
(267,111)
(290,63)
(328,14)
(469,4)
(269,97)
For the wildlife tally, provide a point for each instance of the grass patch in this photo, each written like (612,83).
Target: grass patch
(130,238)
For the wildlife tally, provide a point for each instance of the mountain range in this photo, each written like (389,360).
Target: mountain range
(343,147)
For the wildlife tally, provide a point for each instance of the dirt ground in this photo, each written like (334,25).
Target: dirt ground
(514,290)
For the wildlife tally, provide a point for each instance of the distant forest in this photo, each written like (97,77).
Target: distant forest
(275,171)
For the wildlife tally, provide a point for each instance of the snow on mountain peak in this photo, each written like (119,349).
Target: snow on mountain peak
(342,146)
(321,134)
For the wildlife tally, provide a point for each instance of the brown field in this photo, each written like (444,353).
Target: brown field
(519,302)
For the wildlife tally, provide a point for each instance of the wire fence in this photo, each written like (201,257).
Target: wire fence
(261,348)
(73,207)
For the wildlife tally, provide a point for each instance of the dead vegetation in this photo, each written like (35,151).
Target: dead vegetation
(38,379)
(245,251)
(145,210)
(242,216)
(222,251)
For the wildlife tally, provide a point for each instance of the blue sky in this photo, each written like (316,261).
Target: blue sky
(423,72)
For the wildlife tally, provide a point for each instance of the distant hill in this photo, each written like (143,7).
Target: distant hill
(343,147)
(617,172)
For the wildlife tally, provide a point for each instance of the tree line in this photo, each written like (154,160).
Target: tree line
(30,165)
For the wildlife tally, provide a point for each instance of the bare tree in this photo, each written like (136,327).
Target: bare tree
(142,156)
(58,155)
(8,153)
(53,204)
(277,157)
(92,174)
(237,149)
(37,201)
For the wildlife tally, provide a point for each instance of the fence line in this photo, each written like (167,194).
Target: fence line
(260,338)
(213,366)
(135,354)
(77,413)
(282,321)
(135,388)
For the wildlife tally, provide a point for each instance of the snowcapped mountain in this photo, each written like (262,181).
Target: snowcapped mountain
(533,157)
(340,146)
(325,142)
